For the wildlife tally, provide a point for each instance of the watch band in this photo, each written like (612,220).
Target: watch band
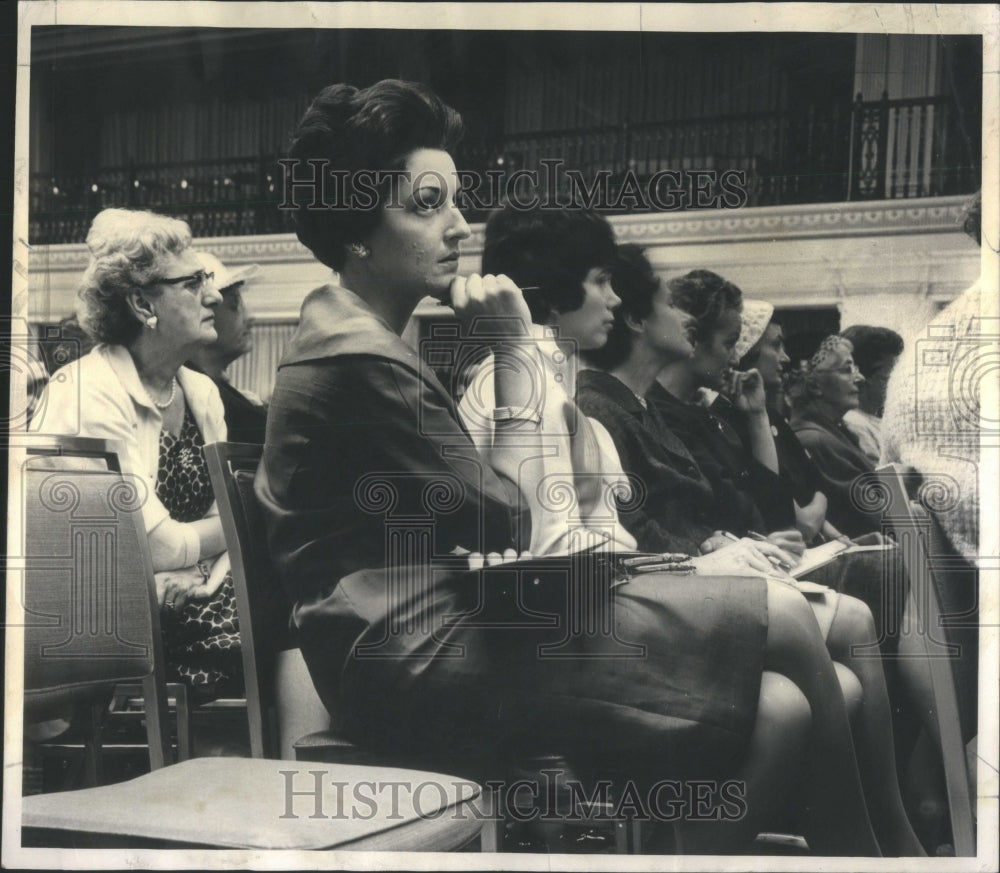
(517,413)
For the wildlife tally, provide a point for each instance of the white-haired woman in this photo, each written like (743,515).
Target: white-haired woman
(148,303)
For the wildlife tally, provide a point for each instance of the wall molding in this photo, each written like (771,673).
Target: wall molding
(815,254)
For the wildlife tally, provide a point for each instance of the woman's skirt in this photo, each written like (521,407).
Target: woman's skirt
(657,674)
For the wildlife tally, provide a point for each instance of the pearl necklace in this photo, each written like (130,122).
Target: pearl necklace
(169,400)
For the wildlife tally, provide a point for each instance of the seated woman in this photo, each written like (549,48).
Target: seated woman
(371,487)
(649,333)
(149,304)
(761,347)
(876,350)
(737,474)
(829,389)
(564,255)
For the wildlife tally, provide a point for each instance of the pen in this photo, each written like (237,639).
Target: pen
(775,562)
(527,289)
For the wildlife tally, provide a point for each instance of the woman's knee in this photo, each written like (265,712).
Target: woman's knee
(850,687)
(792,631)
(853,625)
(783,711)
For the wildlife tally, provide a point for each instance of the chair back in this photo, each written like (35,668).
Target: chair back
(945,605)
(91,612)
(263,607)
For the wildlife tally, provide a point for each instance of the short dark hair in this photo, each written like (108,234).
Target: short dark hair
(872,345)
(706,296)
(550,249)
(375,129)
(634,281)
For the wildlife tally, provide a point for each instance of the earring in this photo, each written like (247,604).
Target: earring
(359,250)
(151,322)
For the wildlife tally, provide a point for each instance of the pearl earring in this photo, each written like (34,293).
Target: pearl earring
(151,322)
(359,250)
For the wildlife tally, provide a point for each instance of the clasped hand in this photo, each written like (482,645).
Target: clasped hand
(174,588)
(494,297)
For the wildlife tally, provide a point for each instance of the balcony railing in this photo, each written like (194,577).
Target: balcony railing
(885,149)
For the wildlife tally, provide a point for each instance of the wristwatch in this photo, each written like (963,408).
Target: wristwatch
(517,413)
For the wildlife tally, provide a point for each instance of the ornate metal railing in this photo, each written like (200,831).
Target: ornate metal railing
(909,148)
(884,149)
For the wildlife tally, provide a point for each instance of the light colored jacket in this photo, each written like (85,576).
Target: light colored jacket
(100,396)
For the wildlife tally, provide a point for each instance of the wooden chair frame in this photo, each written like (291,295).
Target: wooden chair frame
(902,521)
(224,461)
(153,685)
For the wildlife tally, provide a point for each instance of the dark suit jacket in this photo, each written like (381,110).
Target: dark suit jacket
(246,421)
(840,461)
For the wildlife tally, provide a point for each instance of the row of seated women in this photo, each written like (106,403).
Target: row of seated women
(740,675)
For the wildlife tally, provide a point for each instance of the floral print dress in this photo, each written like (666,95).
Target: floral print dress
(202,639)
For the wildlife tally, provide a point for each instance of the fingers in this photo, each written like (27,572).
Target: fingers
(457,295)
(759,563)
(789,540)
(477,560)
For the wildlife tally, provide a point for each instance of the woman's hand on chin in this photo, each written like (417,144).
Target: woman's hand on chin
(495,298)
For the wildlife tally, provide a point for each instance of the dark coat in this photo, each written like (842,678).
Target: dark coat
(840,461)
(368,482)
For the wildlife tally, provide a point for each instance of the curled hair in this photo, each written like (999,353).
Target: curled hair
(706,296)
(634,281)
(372,129)
(552,250)
(127,248)
(872,345)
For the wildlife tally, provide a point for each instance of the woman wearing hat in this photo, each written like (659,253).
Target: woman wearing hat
(761,347)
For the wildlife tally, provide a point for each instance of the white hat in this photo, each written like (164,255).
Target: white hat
(224,277)
(755,317)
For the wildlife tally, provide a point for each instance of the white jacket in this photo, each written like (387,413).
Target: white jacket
(100,396)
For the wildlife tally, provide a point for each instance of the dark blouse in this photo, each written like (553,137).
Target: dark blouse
(799,477)
(720,456)
(678,509)
(839,459)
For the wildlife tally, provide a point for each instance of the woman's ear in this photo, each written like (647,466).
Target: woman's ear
(141,306)
(812,389)
(632,323)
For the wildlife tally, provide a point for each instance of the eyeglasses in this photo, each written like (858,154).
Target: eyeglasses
(194,282)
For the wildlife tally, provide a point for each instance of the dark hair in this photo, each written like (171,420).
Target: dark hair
(972,217)
(373,129)
(552,250)
(706,296)
(872,345)
(636,284)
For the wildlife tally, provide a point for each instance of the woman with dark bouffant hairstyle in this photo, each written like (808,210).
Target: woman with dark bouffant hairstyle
(381,514)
